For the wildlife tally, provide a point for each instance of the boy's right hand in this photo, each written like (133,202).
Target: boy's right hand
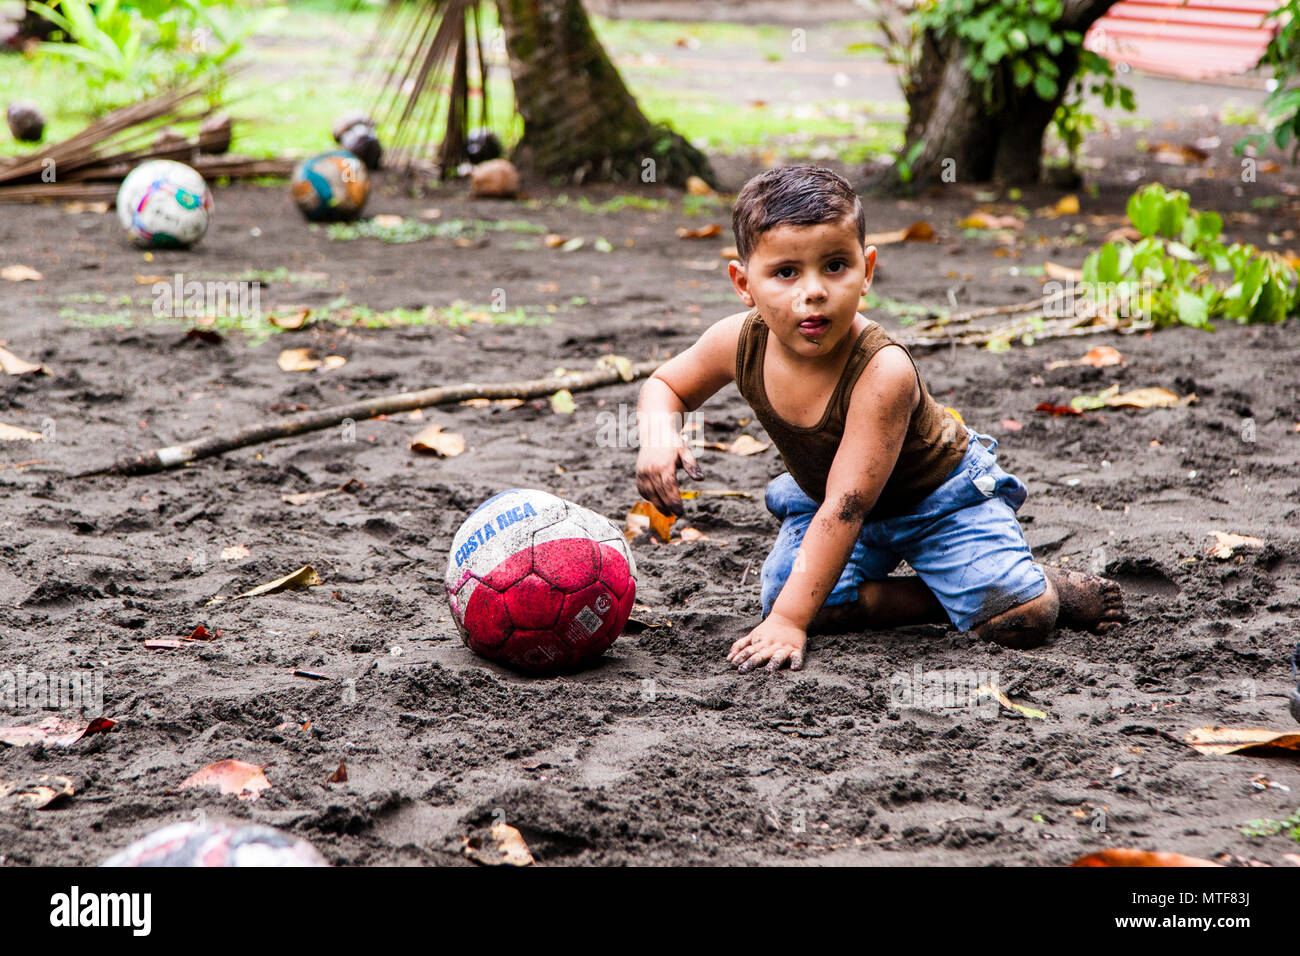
(656,475)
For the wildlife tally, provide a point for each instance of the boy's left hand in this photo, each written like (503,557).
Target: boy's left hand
(775,642)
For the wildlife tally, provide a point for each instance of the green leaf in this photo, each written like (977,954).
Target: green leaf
(1108,263)
(1055,44)
(562,402)
(1124,259)
(995,49)
(1038,31)
(1172,213)
(1021,72)
(1191,309)
(1209,225)
(1018,39)
(1045,87)
(1180,251)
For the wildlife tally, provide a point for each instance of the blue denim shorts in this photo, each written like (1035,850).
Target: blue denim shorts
(962,539)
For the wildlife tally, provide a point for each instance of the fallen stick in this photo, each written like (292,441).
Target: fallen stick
(175,456)
(1046,333)
(984,312)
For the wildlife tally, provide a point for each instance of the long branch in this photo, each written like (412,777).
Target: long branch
(175,456)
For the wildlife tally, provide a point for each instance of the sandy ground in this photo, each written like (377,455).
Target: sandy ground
(661,754)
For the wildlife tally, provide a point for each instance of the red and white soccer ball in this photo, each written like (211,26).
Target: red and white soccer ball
(539,583)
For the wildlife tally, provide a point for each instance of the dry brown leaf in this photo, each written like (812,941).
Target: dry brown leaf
(507,848)
(1123,232)
(340,775)
(13,365)
(1066,206)
(1227,544)
(554,240)
(691,534)
(747,445)
(729,252)
(698,187)
(387,221)
(1258,741)
(13,433)
(714,493)
(432,440)
(245,780)
(1177,154)
(987,220)
(1062,273)
(304,577)
(235,552)
(660,524)
(20,273)
(992,690)
(1102,356)
(305,360)
(1122,856)
(302,497)
(703,232)
(1154,397)
(291,320)
(919,231)
(34,794)
(149,280)
(58,731)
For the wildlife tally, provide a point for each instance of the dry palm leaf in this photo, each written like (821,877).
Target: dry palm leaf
(1256,741)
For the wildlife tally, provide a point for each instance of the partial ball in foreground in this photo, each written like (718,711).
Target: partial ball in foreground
(217,844)
(331,187)
(539,583)
(164,204)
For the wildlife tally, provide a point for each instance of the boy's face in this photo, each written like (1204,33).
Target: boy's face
(806,282)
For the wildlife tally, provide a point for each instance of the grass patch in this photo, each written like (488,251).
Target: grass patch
(1268,827)
(257,328)
(413,230)
(906,312)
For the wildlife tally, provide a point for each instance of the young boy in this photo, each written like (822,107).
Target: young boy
(878,471)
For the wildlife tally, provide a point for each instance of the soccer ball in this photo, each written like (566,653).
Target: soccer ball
(331,186)
(164,204)
(539,583)
(217,844)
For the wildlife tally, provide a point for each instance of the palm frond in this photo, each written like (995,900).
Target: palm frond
(419,79)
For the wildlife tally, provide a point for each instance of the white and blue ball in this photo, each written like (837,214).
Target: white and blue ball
(164,204)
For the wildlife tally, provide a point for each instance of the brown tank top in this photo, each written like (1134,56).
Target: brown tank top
(934,445)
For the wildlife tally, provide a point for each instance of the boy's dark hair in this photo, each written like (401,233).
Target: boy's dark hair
(793,196)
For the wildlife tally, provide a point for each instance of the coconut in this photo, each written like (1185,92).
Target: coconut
(26,121)
(495,179)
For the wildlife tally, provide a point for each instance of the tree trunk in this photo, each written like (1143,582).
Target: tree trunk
(956,138)
(580,121)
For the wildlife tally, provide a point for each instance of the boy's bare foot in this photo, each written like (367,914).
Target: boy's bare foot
(1088,602)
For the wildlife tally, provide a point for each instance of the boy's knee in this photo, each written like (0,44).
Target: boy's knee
(1026,625)
(784,497)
